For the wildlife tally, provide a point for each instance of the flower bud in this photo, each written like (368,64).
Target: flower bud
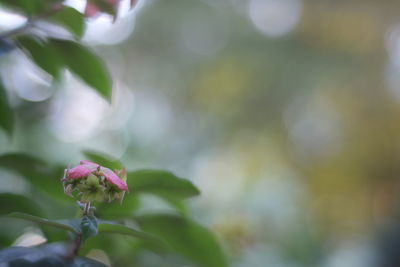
(91,182)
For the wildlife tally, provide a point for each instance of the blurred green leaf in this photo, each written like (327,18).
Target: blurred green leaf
(86,65)
(87,262)
(6,113)
(11,229)
(36,172)
(161,183)
(42,54)
(125,230)
(28,7)
(71,19)
(185,237)
(101,241)
(18,203)
(103,160)
(89,226)
(177,203)
(117,210)
(22,163)
(69,225)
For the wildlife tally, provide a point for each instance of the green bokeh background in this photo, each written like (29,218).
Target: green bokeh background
(293,140)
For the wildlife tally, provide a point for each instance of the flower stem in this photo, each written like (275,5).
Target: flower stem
(86,210)
(77,245)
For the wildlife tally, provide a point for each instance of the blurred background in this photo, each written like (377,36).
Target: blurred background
(285,113)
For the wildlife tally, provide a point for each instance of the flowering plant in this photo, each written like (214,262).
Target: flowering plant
(100,186)
(102,191)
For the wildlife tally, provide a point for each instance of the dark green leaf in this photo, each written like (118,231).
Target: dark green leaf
(18,203)
(103,160)
(161,183)
(28,7)
(186,238)
(38,173)
(124,230)
(6,113)
(86,65)
(71,19)
(89,226)
(22,163)
(69,225)
(42,54)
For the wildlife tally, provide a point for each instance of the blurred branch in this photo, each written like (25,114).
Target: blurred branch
(75,247)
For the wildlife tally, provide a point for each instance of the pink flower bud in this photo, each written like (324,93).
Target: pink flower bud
(87,167)
(94,7)
(90,181)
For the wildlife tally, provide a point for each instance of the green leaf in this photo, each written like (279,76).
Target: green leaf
(117,210)
(36,172)
(28,7)
(89,226)
(103,160)
(18,203)
(69,225)
(42,54)
(124,230)
(86,65)
(71,19)
(186,238)
(177,203)
(87,262)
(6,113)
(161,183)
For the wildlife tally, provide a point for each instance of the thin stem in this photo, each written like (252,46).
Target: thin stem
(75,248)
(86,209)
(77,245)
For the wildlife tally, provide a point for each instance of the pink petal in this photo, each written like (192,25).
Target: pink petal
(80,171)
(86,168)
(114,179)
(91,10)
(89,163)
(133,2)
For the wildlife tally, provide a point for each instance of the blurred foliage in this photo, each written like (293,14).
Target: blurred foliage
(44,195)
(293,140)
